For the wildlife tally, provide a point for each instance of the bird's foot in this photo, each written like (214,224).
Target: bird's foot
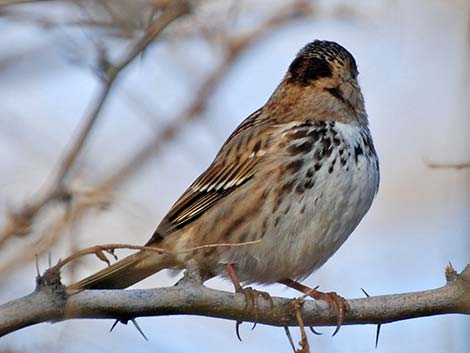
(251,297)
(334,301)
(251,300)
(331,298)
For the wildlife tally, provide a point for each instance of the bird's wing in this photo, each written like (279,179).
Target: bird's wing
(233,166)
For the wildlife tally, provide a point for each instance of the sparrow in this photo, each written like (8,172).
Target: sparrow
(292,182)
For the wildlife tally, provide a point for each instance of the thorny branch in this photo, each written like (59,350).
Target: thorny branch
(50,302)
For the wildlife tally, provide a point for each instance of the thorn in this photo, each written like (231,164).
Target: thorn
(254,325)
(114,325)
(139,329)
(377,335)
(237,330)
(100,255)
(310,292)
(315,331)
(450,273)
(37,265)
(378,325)
(291,341)
(113,254)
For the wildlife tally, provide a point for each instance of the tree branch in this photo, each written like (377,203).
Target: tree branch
(50,302)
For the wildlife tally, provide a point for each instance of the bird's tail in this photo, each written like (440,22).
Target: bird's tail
(124,273)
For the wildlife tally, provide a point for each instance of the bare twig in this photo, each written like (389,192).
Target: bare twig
(50,303)
(110,248)
(20,2)
(448,165)
(19,222)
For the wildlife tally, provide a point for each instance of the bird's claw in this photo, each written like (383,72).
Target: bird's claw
(333,300)
(251,299)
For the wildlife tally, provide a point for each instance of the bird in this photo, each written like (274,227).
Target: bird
(285,191)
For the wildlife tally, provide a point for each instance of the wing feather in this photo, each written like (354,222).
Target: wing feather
(233,166)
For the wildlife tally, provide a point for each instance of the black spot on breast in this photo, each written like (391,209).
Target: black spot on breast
(326,144)
(317,166)
(315,134)
(304,70)
(299,189)
(309,173)
(318,155)
(307,122)
(310,183)
(357,152)
(332,166)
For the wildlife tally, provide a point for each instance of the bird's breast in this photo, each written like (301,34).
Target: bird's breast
(326,178)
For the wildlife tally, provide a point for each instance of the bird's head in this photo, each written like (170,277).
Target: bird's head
(322,63)
(322,79)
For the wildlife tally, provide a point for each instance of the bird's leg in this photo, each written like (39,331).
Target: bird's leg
(234,277)
(251,295)
(331,298)
(239,289)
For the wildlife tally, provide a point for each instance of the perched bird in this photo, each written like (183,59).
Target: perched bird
(292,182)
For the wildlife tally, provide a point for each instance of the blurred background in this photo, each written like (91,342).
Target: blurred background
(167,114)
